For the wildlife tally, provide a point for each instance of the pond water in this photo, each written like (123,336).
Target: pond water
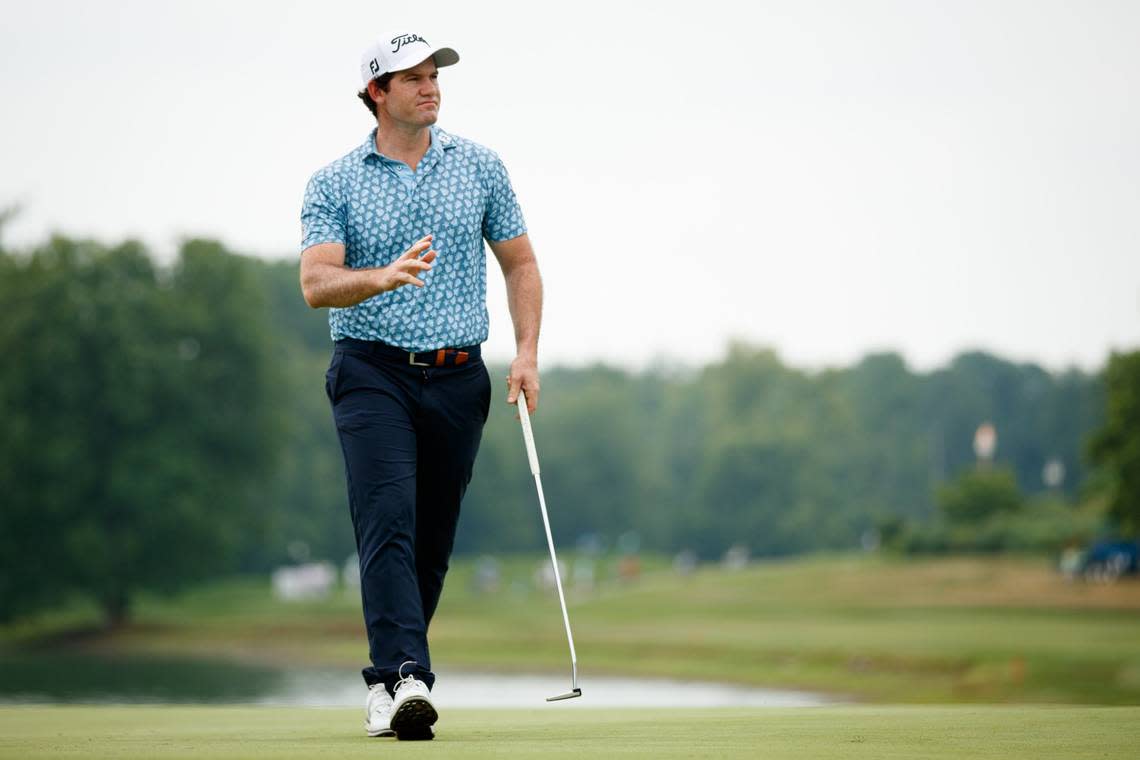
(71,679)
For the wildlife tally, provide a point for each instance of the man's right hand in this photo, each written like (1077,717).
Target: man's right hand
(404,270)
(326,281)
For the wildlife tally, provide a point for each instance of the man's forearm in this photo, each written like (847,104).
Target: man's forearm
(340,286)
(524,298)
(326,281)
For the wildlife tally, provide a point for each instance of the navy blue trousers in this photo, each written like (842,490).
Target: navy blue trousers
(409,436)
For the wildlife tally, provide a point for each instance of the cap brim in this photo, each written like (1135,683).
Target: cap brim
(445,56)
(441,56)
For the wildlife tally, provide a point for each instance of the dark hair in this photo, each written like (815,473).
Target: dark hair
(382,82)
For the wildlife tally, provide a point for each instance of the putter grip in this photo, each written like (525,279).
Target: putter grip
(528,435)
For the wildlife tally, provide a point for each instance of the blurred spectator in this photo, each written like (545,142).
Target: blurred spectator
(629,568)
(584,573)
(350,572)
(685,562)
(487,575)
(736,558)
(310,581)
(544,574)
(870,540)
(1072,559)
(590,544)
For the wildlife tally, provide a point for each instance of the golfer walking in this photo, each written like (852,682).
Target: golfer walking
(393,244)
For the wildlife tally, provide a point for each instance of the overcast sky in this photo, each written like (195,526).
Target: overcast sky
(825,178)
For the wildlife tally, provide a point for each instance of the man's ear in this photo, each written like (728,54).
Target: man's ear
(374,90)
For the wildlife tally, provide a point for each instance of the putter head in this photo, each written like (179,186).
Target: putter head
(567,695)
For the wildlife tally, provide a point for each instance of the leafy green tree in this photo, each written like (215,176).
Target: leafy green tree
(138,408)
(979,494)
(770,470)
(1116,446)
(307,488)
(888,465)
(151,410)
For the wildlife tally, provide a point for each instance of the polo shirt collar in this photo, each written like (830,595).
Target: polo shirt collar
(440,141)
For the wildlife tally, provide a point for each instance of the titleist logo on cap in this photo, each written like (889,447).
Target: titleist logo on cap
(406,39)
(396,49)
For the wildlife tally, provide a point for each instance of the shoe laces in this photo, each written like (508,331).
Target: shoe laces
(379,693)
(405,680)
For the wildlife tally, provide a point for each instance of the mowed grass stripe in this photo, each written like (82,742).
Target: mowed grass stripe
(882,732)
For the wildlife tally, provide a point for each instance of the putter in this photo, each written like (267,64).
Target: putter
(532,455)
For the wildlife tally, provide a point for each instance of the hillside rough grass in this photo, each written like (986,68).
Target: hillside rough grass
(871,629)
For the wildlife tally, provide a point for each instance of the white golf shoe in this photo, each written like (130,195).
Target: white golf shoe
(378,711)
(413,714)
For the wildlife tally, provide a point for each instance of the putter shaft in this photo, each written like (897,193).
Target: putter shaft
(532,456)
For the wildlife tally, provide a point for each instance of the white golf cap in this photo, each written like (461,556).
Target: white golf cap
(401,50)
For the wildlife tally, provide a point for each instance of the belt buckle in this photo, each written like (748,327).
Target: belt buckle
(412,360)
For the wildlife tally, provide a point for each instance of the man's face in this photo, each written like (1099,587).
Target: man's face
(412,98)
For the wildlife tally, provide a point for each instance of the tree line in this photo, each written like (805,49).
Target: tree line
(163,424)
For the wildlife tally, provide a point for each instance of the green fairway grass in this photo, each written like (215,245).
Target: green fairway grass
(251,733)
(872,629)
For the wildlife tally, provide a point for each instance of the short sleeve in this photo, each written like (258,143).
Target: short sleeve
(322,213)
(502,217)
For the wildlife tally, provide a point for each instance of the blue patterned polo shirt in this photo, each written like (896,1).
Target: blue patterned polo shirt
(377,207)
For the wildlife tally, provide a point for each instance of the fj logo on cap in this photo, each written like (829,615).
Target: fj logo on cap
(406,39)
(374,67)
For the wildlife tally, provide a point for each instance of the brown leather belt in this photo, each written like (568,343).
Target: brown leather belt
(439,357)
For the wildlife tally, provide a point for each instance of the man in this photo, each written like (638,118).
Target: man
(393,244)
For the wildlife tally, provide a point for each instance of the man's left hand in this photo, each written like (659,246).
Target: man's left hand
(523,374)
